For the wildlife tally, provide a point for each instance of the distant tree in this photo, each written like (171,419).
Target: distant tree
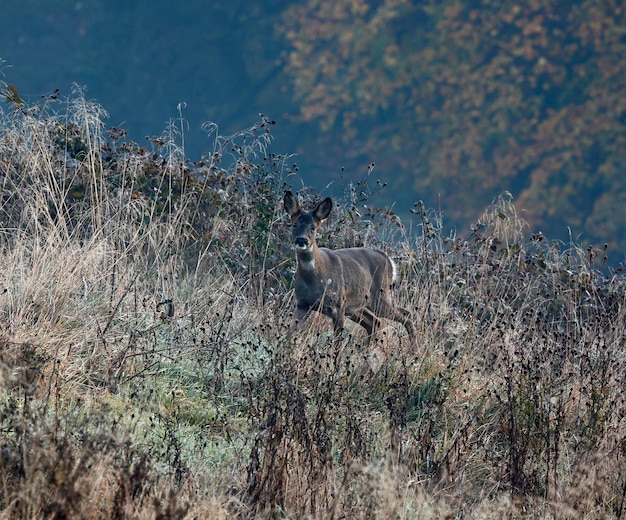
(465,99)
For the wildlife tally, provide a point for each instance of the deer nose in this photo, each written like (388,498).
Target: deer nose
(302,242)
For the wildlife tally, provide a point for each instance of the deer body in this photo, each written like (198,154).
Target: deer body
(354,282)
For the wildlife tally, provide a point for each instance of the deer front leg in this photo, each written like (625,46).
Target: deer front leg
(300,316)
(336,313)
(338,322)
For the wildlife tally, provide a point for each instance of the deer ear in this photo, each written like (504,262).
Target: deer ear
(292,206)
(324,208)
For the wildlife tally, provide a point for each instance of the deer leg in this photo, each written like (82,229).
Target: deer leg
(300,316)
(368,320)
(338,321)
(399,314)
(335,309)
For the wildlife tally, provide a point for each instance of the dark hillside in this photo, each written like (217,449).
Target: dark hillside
(454,102)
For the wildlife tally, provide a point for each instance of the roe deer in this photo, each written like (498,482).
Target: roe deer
(354,282)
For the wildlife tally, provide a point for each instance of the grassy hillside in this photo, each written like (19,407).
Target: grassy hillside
(145,370)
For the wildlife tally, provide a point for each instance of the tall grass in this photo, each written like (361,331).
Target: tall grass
(145,369)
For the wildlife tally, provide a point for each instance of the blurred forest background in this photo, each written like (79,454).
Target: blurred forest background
(454,101)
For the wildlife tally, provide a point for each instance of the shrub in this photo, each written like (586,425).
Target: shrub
(145,369)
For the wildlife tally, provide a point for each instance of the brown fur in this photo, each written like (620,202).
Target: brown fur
(355,282)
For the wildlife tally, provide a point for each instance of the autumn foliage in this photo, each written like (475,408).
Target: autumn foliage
(462,100)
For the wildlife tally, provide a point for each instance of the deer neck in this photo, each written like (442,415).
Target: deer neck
(310,261)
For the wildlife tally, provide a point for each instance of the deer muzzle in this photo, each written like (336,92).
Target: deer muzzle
(302,242)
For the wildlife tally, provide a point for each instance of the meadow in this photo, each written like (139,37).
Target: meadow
(146,370)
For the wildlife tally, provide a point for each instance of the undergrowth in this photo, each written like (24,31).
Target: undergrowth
(146,372)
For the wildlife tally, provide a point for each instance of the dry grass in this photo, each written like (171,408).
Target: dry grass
(145,370)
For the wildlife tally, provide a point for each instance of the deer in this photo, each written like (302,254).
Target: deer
(354,282)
